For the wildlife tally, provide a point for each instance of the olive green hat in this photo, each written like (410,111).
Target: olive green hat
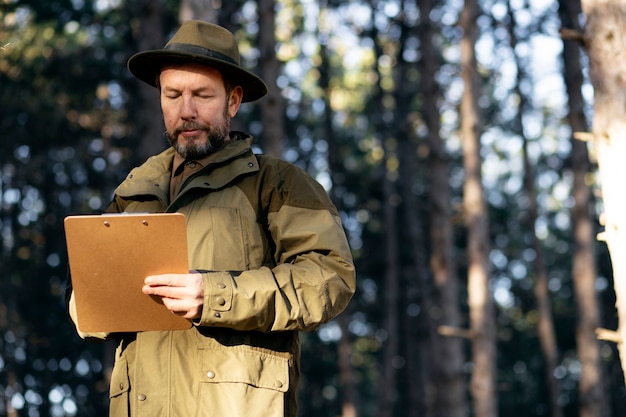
(203,43)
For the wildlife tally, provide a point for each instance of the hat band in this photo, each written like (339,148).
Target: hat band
(199,50)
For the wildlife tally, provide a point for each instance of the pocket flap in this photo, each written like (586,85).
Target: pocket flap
(246,366)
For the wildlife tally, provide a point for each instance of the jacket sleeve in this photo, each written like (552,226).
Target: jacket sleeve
(87,336)
(313,278)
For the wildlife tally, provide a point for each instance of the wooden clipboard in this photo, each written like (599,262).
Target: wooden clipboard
(109,257)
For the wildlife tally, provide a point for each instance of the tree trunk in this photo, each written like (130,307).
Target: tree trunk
(547,335)
(346,372)
(448,379)
(387,382)
(150,36)
(197,10)
(273,108)
(605,42)
(388,379)
(227,9)
(421,345)
(605,39)
(482,314)
(419,342)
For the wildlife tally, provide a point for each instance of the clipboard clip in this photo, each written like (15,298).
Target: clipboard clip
(125,213)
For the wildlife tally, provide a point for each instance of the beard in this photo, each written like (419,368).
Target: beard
(191,149)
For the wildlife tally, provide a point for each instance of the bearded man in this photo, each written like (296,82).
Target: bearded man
(267,253)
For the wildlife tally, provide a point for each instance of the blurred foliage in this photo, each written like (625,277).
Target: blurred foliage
(69,128)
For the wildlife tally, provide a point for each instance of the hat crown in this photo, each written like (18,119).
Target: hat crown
(205,35)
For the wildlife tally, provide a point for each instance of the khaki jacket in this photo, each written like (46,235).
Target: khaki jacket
(274,260)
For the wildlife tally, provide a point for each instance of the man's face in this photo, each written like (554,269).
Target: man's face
(196,108)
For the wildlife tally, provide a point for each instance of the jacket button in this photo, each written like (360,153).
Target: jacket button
(279,384)
(220,301)
(210,374)
(218,315)
(121,386)
(141,397)
(221,285)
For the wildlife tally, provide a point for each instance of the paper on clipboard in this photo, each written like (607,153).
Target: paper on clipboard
(109,257)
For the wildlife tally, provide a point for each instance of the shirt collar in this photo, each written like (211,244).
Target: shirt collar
(179,162)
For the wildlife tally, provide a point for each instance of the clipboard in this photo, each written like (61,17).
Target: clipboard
(109,257)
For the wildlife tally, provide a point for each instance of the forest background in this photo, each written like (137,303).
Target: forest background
(445,133)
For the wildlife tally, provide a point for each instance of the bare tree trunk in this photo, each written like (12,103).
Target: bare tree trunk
(273,108)
(227,8)
(482,312)
(448,379)
(605,39)
(605,42)
(547,336)
(197,10)
(11,383)
(346,372)
(150,36)
(388,380)
(419,345)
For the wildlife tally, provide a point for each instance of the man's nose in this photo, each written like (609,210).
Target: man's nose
(188,109)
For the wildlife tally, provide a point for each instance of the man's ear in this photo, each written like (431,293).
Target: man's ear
(234,100)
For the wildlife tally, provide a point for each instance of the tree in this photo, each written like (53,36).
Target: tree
(448,376)
(593,400)
(197,10)
(347,375)
(482,314)
(547,334)
(150,34)
(273,109)
(389,177)
(604,39)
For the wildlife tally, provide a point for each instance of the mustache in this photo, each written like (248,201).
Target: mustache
(190,125)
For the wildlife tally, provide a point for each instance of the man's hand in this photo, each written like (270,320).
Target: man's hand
(182,294)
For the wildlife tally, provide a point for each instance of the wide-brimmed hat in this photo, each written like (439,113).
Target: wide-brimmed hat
(204,43)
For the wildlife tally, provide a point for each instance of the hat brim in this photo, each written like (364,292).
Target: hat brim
(147,66)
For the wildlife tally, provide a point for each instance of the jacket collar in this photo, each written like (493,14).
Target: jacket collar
(153,177)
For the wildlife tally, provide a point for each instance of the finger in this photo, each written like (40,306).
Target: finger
(171,280)
(173,305)
(182,308)
(165,291)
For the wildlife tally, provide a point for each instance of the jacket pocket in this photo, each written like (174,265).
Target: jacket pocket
(119,390)
(243,382)
(223,234)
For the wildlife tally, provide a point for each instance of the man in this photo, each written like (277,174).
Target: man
(267,251)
